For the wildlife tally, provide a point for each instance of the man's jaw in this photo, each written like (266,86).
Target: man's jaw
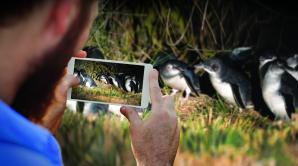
(36,91)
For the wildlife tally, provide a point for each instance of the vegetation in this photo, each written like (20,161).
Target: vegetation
(212,132)
(106,93)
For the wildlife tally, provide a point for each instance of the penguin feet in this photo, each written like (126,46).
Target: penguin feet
(249,105)
(185,96)
(173,92)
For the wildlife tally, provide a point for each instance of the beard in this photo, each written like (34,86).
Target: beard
(37,90)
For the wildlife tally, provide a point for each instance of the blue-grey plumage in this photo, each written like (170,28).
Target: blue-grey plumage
(234,86)
(179,77)
(85,79)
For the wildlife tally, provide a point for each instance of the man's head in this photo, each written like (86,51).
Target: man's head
(37,38)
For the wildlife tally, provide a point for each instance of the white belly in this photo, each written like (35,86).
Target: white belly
(127,86)
(223,89)
(88,84)
(177,82)
(272,97)
(104,81)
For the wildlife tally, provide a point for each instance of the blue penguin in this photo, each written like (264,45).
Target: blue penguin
(104,78)
(231,84)
(179,77)
(279,90)
(116,81)
(93,52)
(131,84)
(86,79)
(77,74)
(265,61)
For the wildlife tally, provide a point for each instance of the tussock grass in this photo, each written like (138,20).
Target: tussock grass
(206,133)
(108,94)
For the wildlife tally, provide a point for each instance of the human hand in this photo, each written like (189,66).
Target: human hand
(154,141)
(55,111)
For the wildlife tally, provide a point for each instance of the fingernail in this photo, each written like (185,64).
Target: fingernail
(123,109)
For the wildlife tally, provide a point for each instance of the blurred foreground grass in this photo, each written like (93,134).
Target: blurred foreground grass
(211,134)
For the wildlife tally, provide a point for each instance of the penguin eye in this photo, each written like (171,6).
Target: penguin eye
(214,67)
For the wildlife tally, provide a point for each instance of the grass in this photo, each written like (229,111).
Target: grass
(108,94)
(212,132)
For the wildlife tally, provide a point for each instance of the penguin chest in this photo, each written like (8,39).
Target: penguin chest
(130,85)
(273,99)
(223,89)
(89,84)
(105,81)
(115,83)
(177,82)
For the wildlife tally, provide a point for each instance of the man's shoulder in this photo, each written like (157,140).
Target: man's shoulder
(19,137)
(17,155)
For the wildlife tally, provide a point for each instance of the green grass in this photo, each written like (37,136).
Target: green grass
(108,94)
(103,142)
(205,131)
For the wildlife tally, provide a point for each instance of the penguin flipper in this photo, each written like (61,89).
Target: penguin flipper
(289,100)
(192,81)
(237,96)
(289,89)
(160,82)
(241,54)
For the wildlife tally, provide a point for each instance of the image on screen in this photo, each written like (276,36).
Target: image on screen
(108,82)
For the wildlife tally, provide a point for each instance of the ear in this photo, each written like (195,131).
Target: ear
(59,20)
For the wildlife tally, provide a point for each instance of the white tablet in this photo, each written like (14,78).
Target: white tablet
(110,82)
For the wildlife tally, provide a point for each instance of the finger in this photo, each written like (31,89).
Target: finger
(155,92)
(81,54)
(169,102)
(131,115)
(71,81)
(68,81)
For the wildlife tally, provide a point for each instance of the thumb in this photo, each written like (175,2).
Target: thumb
(131,115)
(81,54)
